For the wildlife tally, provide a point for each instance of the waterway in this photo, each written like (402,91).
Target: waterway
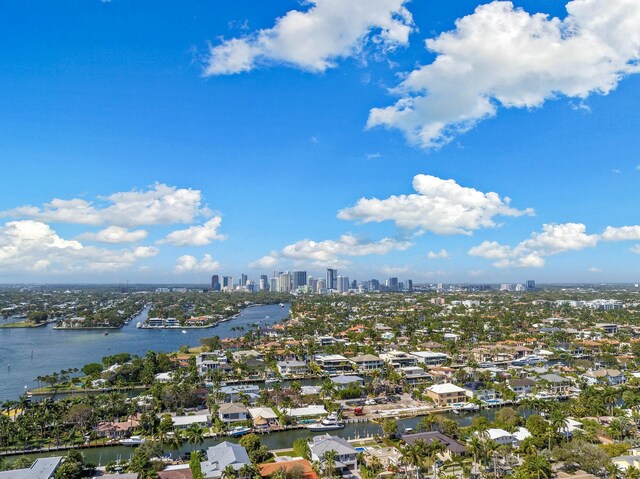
(26,353)
(276,440)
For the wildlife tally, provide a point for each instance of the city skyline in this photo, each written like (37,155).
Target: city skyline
(167,145)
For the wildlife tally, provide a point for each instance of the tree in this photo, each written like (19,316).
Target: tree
(92,369)
(195,435)
(329,462)
(579,454)
(390,427)
(194,465)
(301,448)
(534,467)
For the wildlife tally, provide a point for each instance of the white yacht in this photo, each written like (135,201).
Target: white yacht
(329,423)
(133,441)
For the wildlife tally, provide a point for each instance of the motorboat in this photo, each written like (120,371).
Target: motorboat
(184,331)
(470,406)
(133,441)
(239,431)
(529,360)
(329,423)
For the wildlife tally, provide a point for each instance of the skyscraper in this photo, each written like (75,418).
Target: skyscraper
(312,283)
(299,279)
(284,282)
(215,282)
(343,284)
(321,285)
(243,280)
(531,285)
(264,282)
(392,284)
(227,282)
(332,278)
(273,286)
(409,285)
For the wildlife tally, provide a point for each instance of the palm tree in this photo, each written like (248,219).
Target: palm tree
(631,473)
(195,435)
(412,456)
(229,472)
(612,470)
(559,423)
(330,462)
(327,388)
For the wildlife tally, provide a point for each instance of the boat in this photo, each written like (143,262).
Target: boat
(529,361)
(138,325)
(184,331)
(282,305)
(329,423)
(267,317)
(470,407)
(106,333)
(133,441)
(239,431)
(271,381)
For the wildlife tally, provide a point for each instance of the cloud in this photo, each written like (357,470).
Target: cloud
(623,233)
(391,270)
(635,249)
(501,56)
(332,252)
(474,273)
(554,239)
(200,235)
(188,264)
(33,246)
(373,156)
(115,235)
(267,261)
(443,253)
(315,39)
(593,269)
(160,204)
(440,206)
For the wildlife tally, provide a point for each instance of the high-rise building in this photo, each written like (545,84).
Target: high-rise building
(284,282)
(227,282)
(299,279)
(374,285)
(409,285)
(343,284)
(332,278)
(215,282)
(530,285)
(264,283)
(273,284)
(392,284)
(354,284)
(321,285)
(243,280)
(313,284)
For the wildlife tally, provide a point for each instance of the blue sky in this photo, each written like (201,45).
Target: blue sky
(237,131)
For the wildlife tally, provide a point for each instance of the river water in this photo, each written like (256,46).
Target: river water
(26,353)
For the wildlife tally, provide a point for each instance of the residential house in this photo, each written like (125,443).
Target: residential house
(555,384)
(344,382)
(345,453)
(42,468)
(367,362)
(116,429)
(430,358)
(611,377)
(238,391)
(415,374)
(233,412)
(288,465)
(223,455)
(446,394)
(521,386)
(399,359)
(332,364)
(480,390)
(452,445)
(292,368)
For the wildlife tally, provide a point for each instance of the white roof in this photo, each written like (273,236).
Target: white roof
(428,354)
(445,388)
(521,434)
(497,433)
(313,410)
(188,420)
(264,412)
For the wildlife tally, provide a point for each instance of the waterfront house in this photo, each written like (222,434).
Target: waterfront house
(480,390)
(430,358)
(292,368)
(183,422)
(452,445)
(238,391)
(211,361)
(345,453)
(313,410)
(332,364)
(521,386)
(611,377)
(223,455)
(555,384)
(233,412)
(415,374)
(344,382)
(263,417)
(446,394)
(367,362)
(499,436)
(399,359)
(116,429)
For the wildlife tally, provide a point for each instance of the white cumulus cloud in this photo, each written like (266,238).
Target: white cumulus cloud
(502,56)
(332,252)
(115,235)
(442,254)
(33,246)
(266,262)
(440,206)
(159,204)
(199,235)
(554,239)
(188,264)
(623,233)
(315,39)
